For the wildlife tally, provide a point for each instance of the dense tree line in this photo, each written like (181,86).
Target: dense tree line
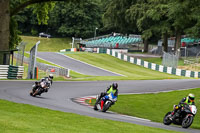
(64,20)
(150,18)
(161,18)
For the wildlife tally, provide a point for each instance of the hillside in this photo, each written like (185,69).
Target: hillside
(47,44)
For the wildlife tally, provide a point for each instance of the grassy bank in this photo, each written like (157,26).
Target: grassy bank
(22,118)
(47,44)
(154,106)
(130,71)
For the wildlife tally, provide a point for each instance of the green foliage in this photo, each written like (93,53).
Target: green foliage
(42,10)
(154,17)
(72,19)
(114,17)
(34,32)
(151,18)
(75,19)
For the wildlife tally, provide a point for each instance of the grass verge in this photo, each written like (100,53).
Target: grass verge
(22,118)
(153,106)
(131,71)
(47,44)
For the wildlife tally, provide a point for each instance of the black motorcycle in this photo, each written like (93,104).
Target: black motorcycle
(39,90)
(184,117)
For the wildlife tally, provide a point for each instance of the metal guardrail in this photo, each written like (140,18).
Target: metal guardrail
(53,69)
(4,71)
(11,72)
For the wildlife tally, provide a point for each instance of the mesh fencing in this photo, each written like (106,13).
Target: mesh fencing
(32,61)
(170,60)
(52,69)
(20,55)
(57,71)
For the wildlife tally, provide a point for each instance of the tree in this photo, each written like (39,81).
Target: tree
(7,10)
(75,20)
(4,31)
(114,17)
(185,18)
(137,14)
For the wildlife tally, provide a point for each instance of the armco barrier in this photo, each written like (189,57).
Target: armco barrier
(20,72)
(11,72)
(4,71)
(153,66)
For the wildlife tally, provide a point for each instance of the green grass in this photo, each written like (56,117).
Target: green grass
(154,106)
(22,118)
(47,44)
(130,71)
(159,61)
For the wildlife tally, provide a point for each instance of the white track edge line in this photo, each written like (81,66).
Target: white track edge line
(91,65)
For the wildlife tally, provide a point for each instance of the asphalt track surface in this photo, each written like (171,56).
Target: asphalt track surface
(74,65)
(61,94)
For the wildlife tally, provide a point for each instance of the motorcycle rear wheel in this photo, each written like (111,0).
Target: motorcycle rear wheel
(187,121)
(166,119)
(95,107)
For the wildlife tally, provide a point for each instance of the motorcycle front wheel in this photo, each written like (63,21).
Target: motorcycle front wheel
(166,119)
(37,92)
(187,121)
(106,106)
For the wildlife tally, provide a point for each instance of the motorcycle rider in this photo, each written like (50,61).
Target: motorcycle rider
(48,81)
(111,89)
(50,78)
(186,100)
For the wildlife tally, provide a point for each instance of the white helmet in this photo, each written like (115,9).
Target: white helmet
(51,76)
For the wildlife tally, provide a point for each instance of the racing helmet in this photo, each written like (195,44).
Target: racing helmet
(114,85)
(51,76)
(191,96)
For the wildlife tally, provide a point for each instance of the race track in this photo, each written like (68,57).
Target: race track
(60,95)
(74,65)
